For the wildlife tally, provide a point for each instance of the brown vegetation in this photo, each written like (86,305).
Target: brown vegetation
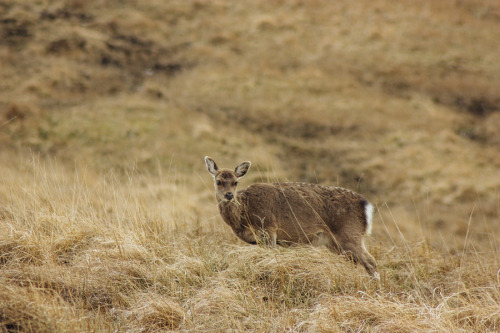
(107,215)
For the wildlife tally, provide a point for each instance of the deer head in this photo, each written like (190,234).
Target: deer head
(226,180)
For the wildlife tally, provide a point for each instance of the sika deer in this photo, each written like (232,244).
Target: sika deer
(285,213)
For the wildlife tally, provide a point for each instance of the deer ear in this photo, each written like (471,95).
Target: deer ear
(211,165)
(242,169)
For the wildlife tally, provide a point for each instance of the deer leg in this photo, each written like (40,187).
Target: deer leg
(272,237)
(354,249)
(268,237)
(359,254)
(370,262)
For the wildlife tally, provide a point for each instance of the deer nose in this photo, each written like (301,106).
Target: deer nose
(229,196)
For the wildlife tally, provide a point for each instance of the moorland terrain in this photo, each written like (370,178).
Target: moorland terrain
(108,220)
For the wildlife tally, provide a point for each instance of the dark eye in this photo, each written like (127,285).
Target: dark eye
(235,183)
(218,182)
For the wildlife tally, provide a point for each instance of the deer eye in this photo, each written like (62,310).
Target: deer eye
(218,182)
(235,183)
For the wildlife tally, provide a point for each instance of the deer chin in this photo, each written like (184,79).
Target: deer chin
(232,201)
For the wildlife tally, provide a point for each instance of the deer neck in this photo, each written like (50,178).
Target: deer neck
(231,213)
(236,216)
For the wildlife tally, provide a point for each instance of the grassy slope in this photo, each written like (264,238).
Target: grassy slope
(115,225)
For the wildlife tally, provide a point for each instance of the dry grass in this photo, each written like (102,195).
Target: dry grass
(107,215)
(89,252)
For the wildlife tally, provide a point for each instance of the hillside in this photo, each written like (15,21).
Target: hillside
(108,217)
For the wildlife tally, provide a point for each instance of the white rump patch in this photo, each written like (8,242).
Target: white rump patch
(369,217)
